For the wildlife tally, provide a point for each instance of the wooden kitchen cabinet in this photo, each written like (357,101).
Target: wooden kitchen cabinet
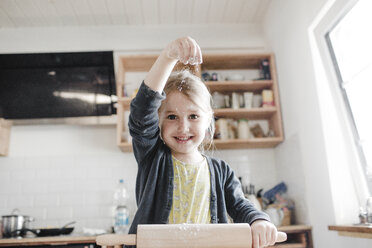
(298,236)
(128,64)
(213,62)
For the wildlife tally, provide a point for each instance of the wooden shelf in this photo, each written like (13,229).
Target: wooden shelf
(233,61)
(294,228)
(143,63)
(247,143)
(357,231)
(229,144)
(247,85)
(298,236)
(253,113)
(137,63)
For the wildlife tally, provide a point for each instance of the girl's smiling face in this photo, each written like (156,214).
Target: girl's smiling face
(183,126)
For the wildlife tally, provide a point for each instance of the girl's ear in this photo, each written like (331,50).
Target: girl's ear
(209,132)
(160,135)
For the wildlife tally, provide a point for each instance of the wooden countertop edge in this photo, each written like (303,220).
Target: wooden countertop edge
(353,231)
(294,228)
(350,228)
(48,240)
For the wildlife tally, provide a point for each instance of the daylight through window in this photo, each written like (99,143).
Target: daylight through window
(350,43)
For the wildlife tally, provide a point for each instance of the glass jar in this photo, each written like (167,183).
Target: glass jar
(243,129)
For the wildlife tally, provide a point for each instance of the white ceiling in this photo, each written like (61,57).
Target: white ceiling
(79,13)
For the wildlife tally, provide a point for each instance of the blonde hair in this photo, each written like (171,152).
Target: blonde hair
(196,91)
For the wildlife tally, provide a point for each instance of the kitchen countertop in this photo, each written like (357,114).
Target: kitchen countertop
(358,231)
(81,239)
(55,240)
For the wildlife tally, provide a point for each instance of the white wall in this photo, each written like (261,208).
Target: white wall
(302,159)
(58,173)
(129,38)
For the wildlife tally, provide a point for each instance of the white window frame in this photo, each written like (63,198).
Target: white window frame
(357,140)
(329,16)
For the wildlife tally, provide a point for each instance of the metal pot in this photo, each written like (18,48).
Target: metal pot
(12,225)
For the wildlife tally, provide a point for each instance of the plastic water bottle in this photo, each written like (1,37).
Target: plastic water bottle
(121,219)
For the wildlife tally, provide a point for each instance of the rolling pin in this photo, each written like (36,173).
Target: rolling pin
(186,236)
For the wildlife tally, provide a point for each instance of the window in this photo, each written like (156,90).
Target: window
(350,44)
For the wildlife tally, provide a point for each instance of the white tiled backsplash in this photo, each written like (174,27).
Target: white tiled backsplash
(65,173)
(56,190)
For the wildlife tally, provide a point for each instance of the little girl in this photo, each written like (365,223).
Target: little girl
(171,118)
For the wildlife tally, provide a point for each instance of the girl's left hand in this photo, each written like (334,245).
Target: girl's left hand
(263,234)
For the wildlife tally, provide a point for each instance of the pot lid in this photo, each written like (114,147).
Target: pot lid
(14,215)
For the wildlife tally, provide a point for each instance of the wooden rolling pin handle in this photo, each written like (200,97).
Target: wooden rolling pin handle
(281,237)
(115,239)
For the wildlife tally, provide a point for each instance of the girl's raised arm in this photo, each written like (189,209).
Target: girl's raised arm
(185,50)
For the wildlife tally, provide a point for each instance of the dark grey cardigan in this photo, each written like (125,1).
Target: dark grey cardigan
(154,186)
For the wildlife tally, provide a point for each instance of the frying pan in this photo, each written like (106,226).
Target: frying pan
(186,236)
(43,232)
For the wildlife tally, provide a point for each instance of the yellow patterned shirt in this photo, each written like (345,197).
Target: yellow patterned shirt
(191,193)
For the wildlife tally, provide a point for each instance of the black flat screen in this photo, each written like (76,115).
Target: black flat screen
(56,90)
